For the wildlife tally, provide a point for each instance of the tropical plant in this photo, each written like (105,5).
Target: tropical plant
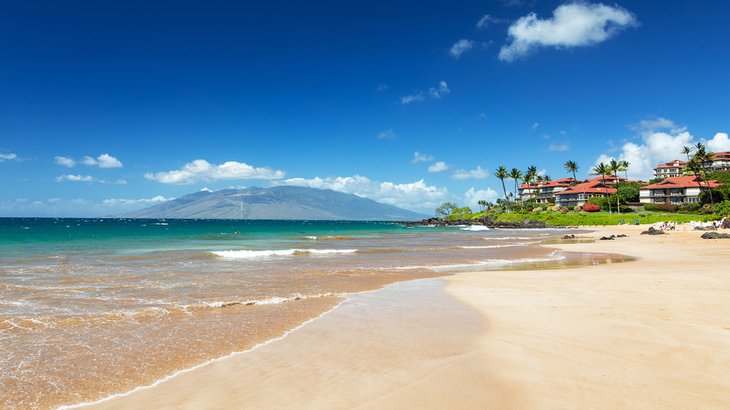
(615,166)
(446,209)
(502,173)
(603,170)
(702,157)
(625,167)
(687,150)
(572,167)
(482,204)
(516,175)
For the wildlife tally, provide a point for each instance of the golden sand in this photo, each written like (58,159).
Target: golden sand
(653,333)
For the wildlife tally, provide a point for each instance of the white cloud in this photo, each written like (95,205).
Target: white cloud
(121,201)
(562,147)
(388,134)
(657,147)
(415,195)
(433,93)
(102,161)
(462,174)
(719,142)
(535,125)
(75,178)
(473,196)
(202,170)
(461,47)
(419,157)
(438,166)
(7,157)
(659,123)
(65,161)
(439,91)
(572,25)
(486,20)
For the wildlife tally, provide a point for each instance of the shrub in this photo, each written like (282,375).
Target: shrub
(689,207)
(564,210)
(661,207)
(600,201)
(589,207)
(537,210)
(577,208)
(723,208)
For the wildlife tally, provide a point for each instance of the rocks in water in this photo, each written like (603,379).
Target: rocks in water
(652,231)
(725,224)
(715,235)
(484,221)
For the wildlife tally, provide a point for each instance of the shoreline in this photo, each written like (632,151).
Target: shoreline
(466,288)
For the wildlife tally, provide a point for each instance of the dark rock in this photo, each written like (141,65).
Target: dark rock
(607,238)
(725,224)
(715,235)
(652,231)
(621,236)
(484,221)
(568,236)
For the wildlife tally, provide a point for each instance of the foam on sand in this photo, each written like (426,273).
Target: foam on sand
(250,254)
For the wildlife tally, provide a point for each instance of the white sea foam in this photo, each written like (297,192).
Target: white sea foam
(475,228)
(248,254)
(493,263)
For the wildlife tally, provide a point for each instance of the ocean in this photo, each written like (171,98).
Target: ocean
(95,307)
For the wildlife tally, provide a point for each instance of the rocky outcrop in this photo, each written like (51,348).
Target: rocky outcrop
(715,235)
(652,231)
(484,221)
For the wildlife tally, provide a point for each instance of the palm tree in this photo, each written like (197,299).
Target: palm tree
(502,174)
(530,174)
(625,167)
(702,157)
(515,174)
(572,167)
(687,150)
(482,204)
(603,170)
(695,168)
(615,166)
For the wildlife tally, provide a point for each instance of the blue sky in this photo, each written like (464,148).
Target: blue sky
(112,106)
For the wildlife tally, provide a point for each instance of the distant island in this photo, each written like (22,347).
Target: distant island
(275,203)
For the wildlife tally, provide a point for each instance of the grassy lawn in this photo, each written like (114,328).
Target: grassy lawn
(596,218)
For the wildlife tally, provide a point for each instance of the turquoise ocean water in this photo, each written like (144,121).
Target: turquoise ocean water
(92,307)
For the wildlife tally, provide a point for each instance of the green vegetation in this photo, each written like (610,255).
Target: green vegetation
(572,218)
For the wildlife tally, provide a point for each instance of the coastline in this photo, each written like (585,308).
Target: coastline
(607,336)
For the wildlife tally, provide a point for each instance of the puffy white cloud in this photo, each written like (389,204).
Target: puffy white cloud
(415,195)
(64,161)
(462,174)
(719,142)
(7,157)
(75,178)
(657,147)
(473,196)
(102,161)
(461,47)
(419,157)
(438,166)
(562,147)
(144,201)
(572,25)
(388,134)
(202,170)
(433,93)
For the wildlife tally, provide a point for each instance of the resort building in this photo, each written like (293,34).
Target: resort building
(670,169)
(676,190)
(543,192)
(578,195)
(720,162)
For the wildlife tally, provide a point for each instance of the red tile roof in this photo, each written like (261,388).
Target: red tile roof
(672,164)
(721,156)
(589,187)
(682,182)
(560,182)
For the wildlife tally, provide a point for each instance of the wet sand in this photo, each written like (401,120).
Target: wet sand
(652,333)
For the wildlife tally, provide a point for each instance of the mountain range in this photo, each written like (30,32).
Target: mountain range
(282,202)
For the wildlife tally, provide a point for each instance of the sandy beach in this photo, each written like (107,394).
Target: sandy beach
(652,333)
